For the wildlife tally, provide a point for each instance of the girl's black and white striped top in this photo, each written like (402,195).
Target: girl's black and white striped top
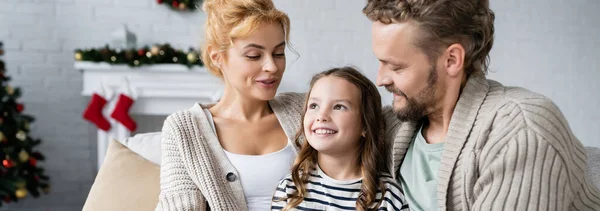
(325,193)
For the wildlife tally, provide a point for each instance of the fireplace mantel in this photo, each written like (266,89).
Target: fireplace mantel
(161,90)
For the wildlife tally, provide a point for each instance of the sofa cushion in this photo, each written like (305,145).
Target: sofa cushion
(125,181)
(593,155)
(146,145)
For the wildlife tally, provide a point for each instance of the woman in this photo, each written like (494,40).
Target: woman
(231,155)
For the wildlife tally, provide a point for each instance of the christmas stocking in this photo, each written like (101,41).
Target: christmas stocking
(121,112)
(93,112)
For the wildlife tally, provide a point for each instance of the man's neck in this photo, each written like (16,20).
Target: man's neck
(436,127)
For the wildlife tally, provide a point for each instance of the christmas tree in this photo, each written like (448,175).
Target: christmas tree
(20,174)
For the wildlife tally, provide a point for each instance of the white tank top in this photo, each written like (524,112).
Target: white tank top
(260,174)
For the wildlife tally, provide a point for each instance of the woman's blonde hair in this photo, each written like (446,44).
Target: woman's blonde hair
(230,19)
(373,147)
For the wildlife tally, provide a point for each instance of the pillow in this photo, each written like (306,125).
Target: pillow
(125,181)
(146,145)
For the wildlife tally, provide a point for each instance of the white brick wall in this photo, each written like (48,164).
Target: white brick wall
(40,36)
(39,39)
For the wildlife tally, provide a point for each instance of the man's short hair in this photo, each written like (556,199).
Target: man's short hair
(443,23)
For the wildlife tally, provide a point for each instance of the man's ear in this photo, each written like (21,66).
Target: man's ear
(455,59)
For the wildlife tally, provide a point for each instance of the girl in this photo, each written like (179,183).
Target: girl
(342,164)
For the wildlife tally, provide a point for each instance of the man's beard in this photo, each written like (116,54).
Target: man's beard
(416,107)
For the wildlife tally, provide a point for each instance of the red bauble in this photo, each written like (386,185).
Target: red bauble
(8,163)
(141,52)
(20,107)
(159,1)
(32,161)
(175,4)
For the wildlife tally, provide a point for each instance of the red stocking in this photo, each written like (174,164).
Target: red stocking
(121,112)
(93,112)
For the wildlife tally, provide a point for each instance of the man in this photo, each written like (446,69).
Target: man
(461,142)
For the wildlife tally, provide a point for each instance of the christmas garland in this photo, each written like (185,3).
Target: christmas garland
(157,54)
(188,5)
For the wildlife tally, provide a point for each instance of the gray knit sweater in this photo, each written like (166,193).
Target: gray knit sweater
(506,149)
(195,171)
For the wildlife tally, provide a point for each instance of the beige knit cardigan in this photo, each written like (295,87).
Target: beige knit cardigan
(195,171)
(506,149)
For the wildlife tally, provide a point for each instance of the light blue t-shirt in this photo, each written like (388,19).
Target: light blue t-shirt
(419,173)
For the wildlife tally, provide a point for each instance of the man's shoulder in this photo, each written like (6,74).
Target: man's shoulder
(514,104)
(518,109)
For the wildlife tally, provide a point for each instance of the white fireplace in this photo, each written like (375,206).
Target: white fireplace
(161,90)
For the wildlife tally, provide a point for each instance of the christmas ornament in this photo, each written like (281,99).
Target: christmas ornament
(93,111)
(8,163)
(192,57)
(21,135)
(181,5)
(141,52)
(105,53)
(21,193)
(154,50)
(175,59)
(136,62)
(20,107)
(129,55)
(78,56)
(46,190)
(113,58)
(10,90)
(23,156)
(148,54)
(32,161)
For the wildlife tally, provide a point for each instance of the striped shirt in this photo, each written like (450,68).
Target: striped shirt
(326,193)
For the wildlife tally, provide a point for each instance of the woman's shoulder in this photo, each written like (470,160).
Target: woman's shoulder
(178,119)
(288,107)
(289,101)
(184,121)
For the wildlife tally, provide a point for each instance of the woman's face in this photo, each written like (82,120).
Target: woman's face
(255,64)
